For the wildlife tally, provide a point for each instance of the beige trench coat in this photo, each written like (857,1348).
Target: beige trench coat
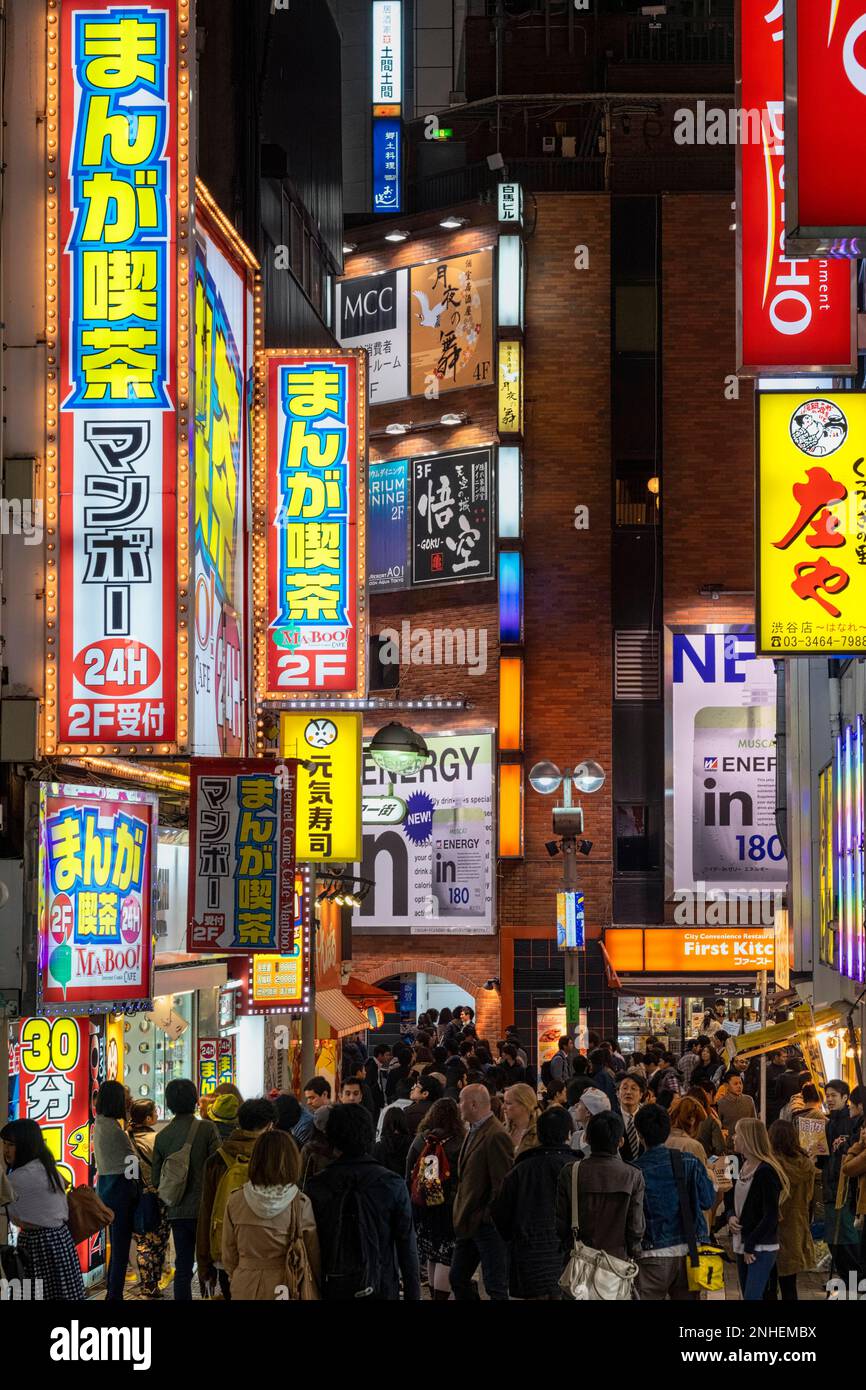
(254,1247)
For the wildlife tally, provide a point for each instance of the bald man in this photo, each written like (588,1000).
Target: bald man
(485,1158)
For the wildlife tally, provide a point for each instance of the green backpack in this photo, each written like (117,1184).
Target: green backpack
(236,1174)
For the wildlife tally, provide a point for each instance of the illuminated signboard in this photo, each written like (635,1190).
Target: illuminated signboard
(97,865)
(849,815)
(241,855)
(224,317)
(328,819)
(388,524)
(387,52)
(509,204)
(117,461)
(569,921)
(683,951)
(387,159)
(372,313)
(825,196)
(792,316)
(510,382)
(387,99)
(216,1064)
(453,517)
(811,523)
(451,323)
(281,983)
(308,542)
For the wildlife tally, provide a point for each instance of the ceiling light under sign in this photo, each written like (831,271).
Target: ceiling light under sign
(396,236)
(452,223)
(396,429)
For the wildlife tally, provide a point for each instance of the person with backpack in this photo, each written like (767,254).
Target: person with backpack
(524,1212)
(363,1216)
(118,1180)
(180,1152)
(269,1244)
(392,1146)
(226,1171)
(40,1210)
(150,1226)
(559,1066)
(431,1171)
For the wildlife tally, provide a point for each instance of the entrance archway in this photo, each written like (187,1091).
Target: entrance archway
(487,1005)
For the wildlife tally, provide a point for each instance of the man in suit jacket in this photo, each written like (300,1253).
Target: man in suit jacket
(485,1158)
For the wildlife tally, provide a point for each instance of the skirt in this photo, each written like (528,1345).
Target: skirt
(50,1255)
(434,1234)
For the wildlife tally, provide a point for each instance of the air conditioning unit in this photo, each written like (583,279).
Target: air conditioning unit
(548,144)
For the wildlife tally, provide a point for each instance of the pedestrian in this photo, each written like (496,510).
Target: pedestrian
(610,1196)
(710,1133)
(559,1066)
(118,1180)
(193,1141)
(431,1171)
(151,1230)
(591,1102)
(673,1180)
(796,1248)
(524,1212)
(355,1091)
(317,1093)
(270,1246)
(690,1059)
(760,1187)
(841,1233)
(422,1097)
(520,1104)
(632,1093)
(806,1104)
(223,1112)
(317,1151)
(40,1211)
(555,1094)
(734,1106)
(513,1036)
(603,1078)
(226,1171)
(854,1172)
(378,1073)
(292,1118)
(687,1117)
(486,1156)
(709,1067)
(392,1149)
(442,1023)
(364,1217)
(515,1072)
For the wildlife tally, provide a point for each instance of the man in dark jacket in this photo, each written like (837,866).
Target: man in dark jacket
(378,1074)
(524,1212)
(424,1094)
(603,1075)
(662,1267)
(486,1157)
(181,1098)
(359,1188)
(610,1194)
(254,1117)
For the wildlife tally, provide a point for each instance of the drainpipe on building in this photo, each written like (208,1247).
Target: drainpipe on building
(781,811)
(835,689)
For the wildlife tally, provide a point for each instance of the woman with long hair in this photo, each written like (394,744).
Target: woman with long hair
(761,1187)
(521,1108)
(393,1145)
(709,1067)
(270,1247)
(710,1133)
(796,1250)
(431,1172)
(40,1211)
(150,1222)
(117,1166)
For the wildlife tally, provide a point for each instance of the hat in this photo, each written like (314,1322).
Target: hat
(594,1100)
(225,1108)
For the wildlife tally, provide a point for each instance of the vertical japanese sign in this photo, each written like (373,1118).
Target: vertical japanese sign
(452,517)
(387,164)
(372,313)
(848,867)
(825,126)
(281,983)
(97,864)
(811,532)
(793,316)
(452,323)
(388,525)
(242,856)
(215,1064)
(117,470)
(328,820)
(309,527)
(225,287)
(510,384)
(387,128)
(387,52)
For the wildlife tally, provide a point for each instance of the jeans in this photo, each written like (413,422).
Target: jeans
(753,1277)
(487,1248)
(184,1257)
(121,1194)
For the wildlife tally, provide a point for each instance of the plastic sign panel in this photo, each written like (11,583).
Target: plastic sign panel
(811,533)
(849,817)
(117,470)
(224,312)
(569,921)
(216,1064)
(509,204)
(387,164)
(281,983)
(387,52)
(701,951)
(793,316)
(451,315)
(97,871)
(433,872)
(720,715)
(510,387)
(388,525)
(328,819)
(825,127)
(309,536)
(453,517)
(372,313)
(242,855)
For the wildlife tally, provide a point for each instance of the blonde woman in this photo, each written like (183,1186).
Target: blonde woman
(521,1117)
(761,1187)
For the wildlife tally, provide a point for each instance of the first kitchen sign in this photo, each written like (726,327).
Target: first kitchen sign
(118,205)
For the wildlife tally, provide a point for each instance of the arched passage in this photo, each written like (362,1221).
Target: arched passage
(488,1014)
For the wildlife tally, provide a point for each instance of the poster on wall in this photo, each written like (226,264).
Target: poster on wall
(388,525)
(550,1026)
(223,317)
(720,725)
(121,185)
(372,313)
(242,855)
(452,517)
(215,1064)
(97,868)
(451,323)
(433,873)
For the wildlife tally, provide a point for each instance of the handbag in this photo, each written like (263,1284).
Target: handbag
(705,1269)
(13,1266)
(87,1213)
(594,1275)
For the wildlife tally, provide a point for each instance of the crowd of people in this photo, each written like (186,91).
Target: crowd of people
(437,1160)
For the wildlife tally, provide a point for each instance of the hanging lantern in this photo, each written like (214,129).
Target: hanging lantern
(375,1016)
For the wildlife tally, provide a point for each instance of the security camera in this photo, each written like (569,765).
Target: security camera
(491,984)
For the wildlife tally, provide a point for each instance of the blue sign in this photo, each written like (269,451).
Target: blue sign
(408,997)
(387,524)
(387,162)
(569,921)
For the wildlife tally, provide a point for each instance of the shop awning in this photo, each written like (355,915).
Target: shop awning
(366,996)
(340,1013)
(778,1034)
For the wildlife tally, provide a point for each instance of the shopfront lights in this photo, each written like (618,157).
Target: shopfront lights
(452,418)
(349,247)
(399,750)
(453,224)
(396,235)
(397,428)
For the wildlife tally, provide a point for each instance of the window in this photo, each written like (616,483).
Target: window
(636,503)
(638,842)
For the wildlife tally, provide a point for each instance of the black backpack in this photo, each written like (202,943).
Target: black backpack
(354,1258)
(546,1078)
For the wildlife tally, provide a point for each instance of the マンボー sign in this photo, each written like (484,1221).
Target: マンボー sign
(794,316)
(116,485)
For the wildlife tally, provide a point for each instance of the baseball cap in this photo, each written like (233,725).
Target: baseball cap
(594,1100)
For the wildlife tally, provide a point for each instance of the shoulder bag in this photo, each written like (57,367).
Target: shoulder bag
(174,1174)
(706,1269)
(593,1275)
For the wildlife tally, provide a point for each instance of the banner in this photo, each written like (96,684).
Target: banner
(825,127)
(242,855)
(452,517)
(793,317)
(388,525)
(451,302)
(550,1025)
(387,164)
(433,873)
(328,816)
(309,525)
(811,531)
(224,307)
(372,313)
(720,712)
(97,867)
(281,983)
(215,1064)
(116,643)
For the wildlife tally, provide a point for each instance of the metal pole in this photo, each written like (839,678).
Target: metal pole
(762,984)
(571,961)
